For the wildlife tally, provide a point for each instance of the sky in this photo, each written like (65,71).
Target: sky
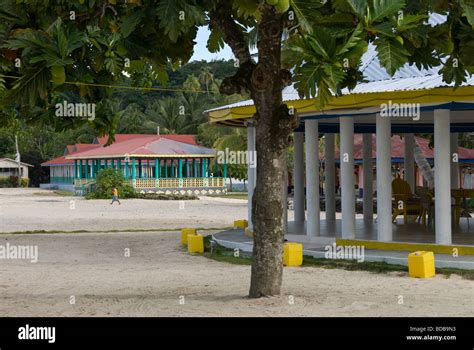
(202,53)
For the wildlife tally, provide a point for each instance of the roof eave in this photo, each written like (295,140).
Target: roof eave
(227,116)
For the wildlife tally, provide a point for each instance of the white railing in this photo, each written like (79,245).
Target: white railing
(164,183)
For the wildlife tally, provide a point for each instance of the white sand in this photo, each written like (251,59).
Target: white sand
(23,210)
(93,268)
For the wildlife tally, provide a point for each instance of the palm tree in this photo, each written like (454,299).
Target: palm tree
(192,83)
(133,121)
(170,115)
(206,77)
(236,140)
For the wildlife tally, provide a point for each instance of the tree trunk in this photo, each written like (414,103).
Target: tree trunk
(267,217)
(274,124)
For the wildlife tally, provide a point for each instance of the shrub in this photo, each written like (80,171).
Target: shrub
(106,180)
(162,196)
(12,181)
(4,182)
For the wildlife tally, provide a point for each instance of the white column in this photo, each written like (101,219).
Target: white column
(442,176)
(330,177)
(285,195)
(312,177)
(298,177)
(454,165)
(347,177)
(409,161)
(367,165)
(251,171)
(384,179)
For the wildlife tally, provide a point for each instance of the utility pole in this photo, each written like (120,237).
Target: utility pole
(17,159)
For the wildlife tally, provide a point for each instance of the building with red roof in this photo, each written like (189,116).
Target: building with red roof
(150,163)
(397,145)
(397,150)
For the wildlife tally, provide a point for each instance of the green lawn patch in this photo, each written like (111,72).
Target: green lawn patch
(112,231)
(235,195)
(55,193)
(223,254)
(220,253)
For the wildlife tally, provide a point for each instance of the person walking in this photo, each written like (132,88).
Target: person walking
(115,196)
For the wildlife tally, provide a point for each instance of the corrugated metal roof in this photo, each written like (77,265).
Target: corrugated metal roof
(419,82)
(436,19)
(14,161)
(408,77)
(146,146)
(70,149)
(58,161)
(125,137)
(373,71)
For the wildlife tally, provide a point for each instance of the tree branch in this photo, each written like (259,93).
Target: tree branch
(233,35)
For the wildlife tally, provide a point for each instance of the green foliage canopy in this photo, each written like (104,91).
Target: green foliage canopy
(63,46)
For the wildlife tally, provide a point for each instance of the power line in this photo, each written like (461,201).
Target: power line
(122,86)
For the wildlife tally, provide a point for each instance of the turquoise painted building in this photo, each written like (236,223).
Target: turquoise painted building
(150,163)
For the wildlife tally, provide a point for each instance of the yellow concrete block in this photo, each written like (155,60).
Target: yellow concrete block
(241,224)
(195,244)
(293,254)
(421,264)
(184,234)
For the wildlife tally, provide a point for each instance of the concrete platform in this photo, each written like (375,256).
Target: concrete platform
(411,232)
(315,247)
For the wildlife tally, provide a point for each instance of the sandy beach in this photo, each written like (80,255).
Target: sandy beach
(34,209)
(150,274)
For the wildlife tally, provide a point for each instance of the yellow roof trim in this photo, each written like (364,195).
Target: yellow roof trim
(436,95)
